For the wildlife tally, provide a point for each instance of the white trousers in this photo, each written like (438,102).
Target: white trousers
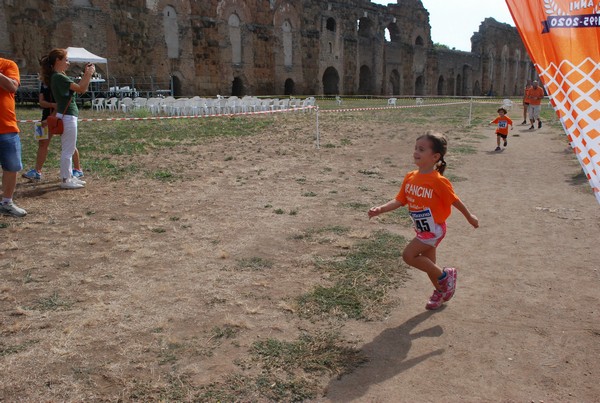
(68,142)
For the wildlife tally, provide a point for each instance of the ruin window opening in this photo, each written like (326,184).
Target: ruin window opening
(171,32)
(287,44)
(330,24)
(363,26)
(419,41)
(392,33)
(235,37)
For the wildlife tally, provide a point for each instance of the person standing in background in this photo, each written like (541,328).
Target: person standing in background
(526,102)
(10,142)
(46,101)
(64,91)
(535,95)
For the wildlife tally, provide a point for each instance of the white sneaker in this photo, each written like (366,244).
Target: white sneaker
(71,184)
(12,209)
(77,180)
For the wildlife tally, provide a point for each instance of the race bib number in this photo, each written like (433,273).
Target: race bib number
(503,124)
(423,220)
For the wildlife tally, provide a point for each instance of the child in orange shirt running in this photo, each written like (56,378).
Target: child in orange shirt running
(429,197)
(503,121)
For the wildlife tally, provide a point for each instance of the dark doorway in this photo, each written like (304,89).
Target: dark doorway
(237,87)
(331,80)
(288,87)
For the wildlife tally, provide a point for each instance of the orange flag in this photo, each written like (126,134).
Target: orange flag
(563,40)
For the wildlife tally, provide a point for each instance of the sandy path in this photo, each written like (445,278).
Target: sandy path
(525,323)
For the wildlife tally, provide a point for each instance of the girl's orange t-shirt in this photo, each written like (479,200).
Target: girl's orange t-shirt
(432,191)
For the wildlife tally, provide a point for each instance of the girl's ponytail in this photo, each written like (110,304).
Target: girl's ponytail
(439,144)
(441,167)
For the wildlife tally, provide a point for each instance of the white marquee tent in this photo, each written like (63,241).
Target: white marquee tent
(81,55)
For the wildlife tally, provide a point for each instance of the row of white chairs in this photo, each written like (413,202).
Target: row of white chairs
(197,106)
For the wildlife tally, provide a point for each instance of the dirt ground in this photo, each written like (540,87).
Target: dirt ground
(109,292)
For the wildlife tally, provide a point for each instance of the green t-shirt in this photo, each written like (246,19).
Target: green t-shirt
(60,83)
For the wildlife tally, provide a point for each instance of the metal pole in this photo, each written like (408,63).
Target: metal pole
(318,139)
(470,110)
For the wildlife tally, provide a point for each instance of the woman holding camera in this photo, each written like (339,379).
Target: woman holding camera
(64,91)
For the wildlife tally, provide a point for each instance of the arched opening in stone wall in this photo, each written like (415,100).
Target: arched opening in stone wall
(330,25)
(237,87)
(395,82)
(176,82)
(419,41)
(505,69)
(364,27)
(287,43)
(365,81)
(476,88)
(450,86)
(171,32)
(490,74)
(235,38)
(288,87)
(331,81)
(394,33)
(515,74)
(440,86)
(459,85)
(466,80)
(420,86)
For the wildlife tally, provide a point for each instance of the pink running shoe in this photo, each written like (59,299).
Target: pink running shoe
(448,285)
(435,301)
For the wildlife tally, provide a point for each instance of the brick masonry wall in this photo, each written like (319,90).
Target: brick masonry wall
(197,50)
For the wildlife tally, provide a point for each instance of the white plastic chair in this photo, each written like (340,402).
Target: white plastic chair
(126,104)
(166,105)
(112,104)
(392,101)
(98,104)
(310,101)
(153,105)
(284,104)
(338,100)
(139,103)
(420,101)
(295,103)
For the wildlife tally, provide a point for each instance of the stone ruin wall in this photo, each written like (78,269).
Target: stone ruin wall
(269,47)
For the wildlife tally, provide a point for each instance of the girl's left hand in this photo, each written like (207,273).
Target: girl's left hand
(374,211)
(473,220)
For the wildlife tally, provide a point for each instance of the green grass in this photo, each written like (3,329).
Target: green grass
(15,348)
(361,280)
(255,263)
(52,303)
(100,143)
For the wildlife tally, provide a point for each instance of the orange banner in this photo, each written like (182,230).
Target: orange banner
(563,40)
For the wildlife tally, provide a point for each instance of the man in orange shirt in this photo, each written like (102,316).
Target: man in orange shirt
(10,142)
(535,95)
(526,102)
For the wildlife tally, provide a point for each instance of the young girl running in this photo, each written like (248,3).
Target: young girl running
(429,197)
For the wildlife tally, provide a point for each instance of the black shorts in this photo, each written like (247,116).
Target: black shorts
(504,136)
